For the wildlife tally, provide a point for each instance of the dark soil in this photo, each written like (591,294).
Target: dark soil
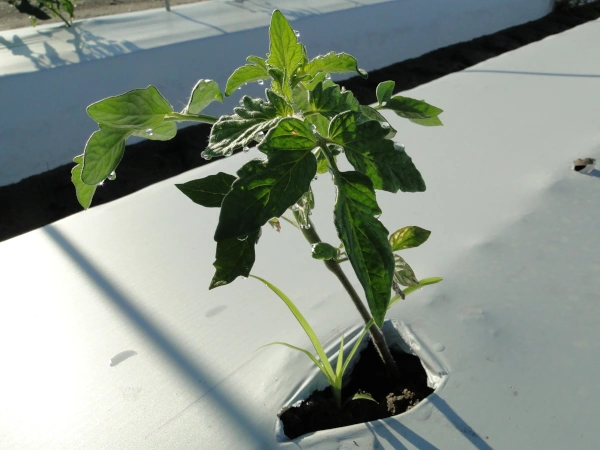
(319,411)
(42,199)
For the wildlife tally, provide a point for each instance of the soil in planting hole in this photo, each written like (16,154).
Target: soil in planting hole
(319,411)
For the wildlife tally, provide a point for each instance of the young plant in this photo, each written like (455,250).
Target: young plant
(45,9)
(305,123)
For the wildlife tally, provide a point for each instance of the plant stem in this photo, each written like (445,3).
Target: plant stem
(311,235)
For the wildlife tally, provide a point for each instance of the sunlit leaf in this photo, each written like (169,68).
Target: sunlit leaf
(409,108)
(84,192)
(408,237)
(290,134)
(411,289)
(333,63)
(102,154)
(245,74)
(163,132)
(384,91)
(204,93)
(285,53)
(403,273)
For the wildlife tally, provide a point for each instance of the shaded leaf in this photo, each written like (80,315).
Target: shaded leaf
(387,165)
(203,94)
(282,107)
(324,251)
(265,189)
(103,152)
(290,134)
(363,396)
(84,192)
(208,191)
(369,113)
(408,237)
(384,91)
(409,108)
(365,239)
(330,101)
(163,132)
(234,258)
(140,108)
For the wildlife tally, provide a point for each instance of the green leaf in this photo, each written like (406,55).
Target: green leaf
(285,53)
(303,207)
(355,348)
(408,237)
(326,365)
(204,93)
(322,164)
(241,129)
(282,107)
(140,108)
(430,122)
(208,191)
(333,63)
(409,108)
(330,101)
(84,192)
(265,189)
(384,91)
(363,396)
(103,152)
(290,134)
(403,273)
(234,258)
(163,132)
(301,350)
(245,74)
(365,239)
(372,114)
(257,61)
(324,251)
(387,165)
(411,289)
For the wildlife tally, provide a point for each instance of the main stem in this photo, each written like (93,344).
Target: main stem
(311,235)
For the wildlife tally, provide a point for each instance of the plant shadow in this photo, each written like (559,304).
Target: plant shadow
(159,337)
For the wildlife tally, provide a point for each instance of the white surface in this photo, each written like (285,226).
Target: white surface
(515,236)
(50,74)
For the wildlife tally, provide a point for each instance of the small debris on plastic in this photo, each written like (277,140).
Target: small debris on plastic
(584,165)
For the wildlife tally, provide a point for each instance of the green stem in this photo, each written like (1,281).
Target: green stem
(311,235)
(178,117)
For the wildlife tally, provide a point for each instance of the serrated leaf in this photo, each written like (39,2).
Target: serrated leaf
(290,134)
(386,164)
(403,273)
(319,121)
(322,164)
(408,237)
(333,63)
(203,94)
(245,74)
(324,251)
(240,129)
(265,189)
(234,258)
(257,61)
(320,77)
(365,239)
(363,396)
(285,53)
(84,192)
(163,132)
(137,109)
(303,207)
(384,91)
(330,101)
(372,114)
(430,122)
(103,152)
(208,191)
(409,108)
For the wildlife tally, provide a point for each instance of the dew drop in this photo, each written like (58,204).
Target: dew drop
(260,136)
(229,153)
(112,176)
(149,131)
(295,207)
(243,277)
(261,82)
(315,178)
(385,125)
(314,128)
(239,88)
(101,183)
(297,33)
(242,238)
(205,156)
(307,226)
(328,77)
(246,149)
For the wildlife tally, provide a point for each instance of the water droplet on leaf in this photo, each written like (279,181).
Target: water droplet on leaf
(112,176)
(295,207)
(328,76)
(260,136)
(385,125)
(239,88)
(205,156)
(315,178)
(261,82)
(229,153)
(246,149)
(149,132)
(314,128)
(297,33)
